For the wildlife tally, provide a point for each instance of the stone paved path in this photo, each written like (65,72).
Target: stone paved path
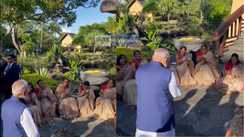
(80,128)
(199,112)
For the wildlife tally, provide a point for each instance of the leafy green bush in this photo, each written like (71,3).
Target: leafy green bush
(34,77)
(33,62)
(54,52)
(73,74)
(42,72)
(112,71)
(128,52)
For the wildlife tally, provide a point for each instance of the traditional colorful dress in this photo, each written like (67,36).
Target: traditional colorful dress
(68,105)
(106,103)
(184,72)
(124,73)
(234,79)
(48,103)
(206,72)
(35,107)
(86,101)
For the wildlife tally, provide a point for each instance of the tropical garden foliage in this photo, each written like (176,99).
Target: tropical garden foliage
(33,28)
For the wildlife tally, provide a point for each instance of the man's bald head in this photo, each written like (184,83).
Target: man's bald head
(19,88)
(161,55)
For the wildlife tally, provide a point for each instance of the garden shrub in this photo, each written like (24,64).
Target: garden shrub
(129,52)
(33,62)
(34,77)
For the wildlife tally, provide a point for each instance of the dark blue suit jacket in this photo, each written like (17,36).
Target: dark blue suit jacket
(12,74)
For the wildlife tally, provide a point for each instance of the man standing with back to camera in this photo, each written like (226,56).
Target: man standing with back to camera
(156,87)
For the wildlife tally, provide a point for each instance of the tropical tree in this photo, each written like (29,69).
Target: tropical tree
(214,12)
(18,11)
(163,8)
(86,34)
(35,35)
(111,25)
(5,40)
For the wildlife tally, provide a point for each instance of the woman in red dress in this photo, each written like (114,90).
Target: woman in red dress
(233,75)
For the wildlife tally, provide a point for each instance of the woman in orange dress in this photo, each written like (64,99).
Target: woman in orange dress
(47,99)
(86,99)
(233,75)
(184,68)
(106,103)
(68,105)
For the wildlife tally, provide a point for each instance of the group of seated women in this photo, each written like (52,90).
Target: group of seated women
(197,68)
(201,68)
(125,78)
(47,105)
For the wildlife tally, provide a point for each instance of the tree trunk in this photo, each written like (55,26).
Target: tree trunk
(13,37)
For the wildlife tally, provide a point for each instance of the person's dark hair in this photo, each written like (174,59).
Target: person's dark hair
(237,57)
(32,87)
(86,83)
(183,47)
(119,58)
(111,80)
(204,46)
(38,82)
(136,51)
(12,56)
